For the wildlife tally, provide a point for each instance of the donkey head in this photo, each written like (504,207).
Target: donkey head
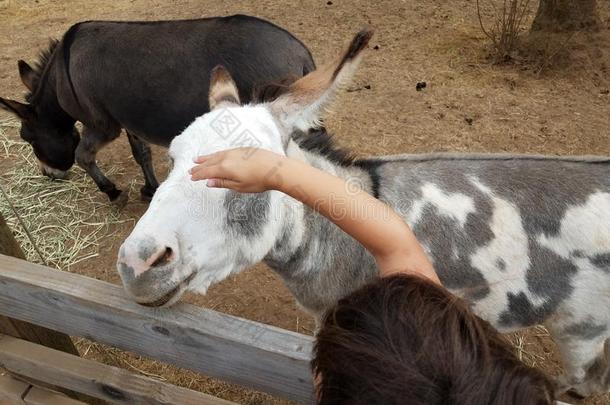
(46,127)
(192,236)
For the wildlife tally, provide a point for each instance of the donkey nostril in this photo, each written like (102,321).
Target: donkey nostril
(163,259)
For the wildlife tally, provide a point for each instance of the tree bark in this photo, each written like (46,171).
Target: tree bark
(566,15)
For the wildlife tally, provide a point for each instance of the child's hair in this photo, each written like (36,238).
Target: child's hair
(404,340)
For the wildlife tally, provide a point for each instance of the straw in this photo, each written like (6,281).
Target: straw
(66,219)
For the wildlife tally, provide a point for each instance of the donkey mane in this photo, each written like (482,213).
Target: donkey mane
(320,142)
(44,57)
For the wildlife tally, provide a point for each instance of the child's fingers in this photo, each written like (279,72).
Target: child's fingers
(212,157)
(222,183)
(208,161)
(206,172)
(202,158)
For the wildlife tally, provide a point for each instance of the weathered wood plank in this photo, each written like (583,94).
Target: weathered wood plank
(98,380)
(14,327)
(8,244)
(31,332)
(41,396)
(263,357)
(12,390)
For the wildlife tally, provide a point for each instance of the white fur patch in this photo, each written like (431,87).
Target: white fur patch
(51,172)
(510,246)
(456,206)
(584,228)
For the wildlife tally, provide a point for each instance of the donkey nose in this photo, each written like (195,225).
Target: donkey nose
(145,267)
(51,172)
(146,256)
(163,257)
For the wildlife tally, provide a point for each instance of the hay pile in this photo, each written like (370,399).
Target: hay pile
(66,219)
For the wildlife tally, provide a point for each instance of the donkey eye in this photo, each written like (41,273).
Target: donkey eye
(171,162)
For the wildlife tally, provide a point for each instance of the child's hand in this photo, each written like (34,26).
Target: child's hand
(247,170)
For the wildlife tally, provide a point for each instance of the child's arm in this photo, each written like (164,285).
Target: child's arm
(371,222)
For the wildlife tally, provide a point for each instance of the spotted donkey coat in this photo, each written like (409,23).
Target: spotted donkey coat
(525,239)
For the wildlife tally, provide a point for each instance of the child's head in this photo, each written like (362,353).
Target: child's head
(403,340)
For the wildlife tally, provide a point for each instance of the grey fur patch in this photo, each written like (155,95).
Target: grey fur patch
(127,272)
(501,264)
(151,283)
(281,250)
(602,261)
(247,214)
(578,254)
(146,248)
(526,182)
(521,311)
(587,330)
(549,277)
(327,265)
(443,236)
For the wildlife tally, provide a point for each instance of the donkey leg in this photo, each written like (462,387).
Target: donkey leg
(91,142)
(142,154)
(587,364)
(597,374)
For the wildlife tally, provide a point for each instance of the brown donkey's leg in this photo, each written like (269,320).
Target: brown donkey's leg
(91,142)
(142,154)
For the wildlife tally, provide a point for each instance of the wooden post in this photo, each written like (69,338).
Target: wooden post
(27,331)
(24,330)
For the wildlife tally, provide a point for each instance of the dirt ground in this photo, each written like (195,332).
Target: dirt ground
(469,104)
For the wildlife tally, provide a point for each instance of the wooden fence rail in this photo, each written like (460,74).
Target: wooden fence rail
(263,357)
(95,379)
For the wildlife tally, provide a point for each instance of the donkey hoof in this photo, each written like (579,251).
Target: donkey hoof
(147,193)
(120,200)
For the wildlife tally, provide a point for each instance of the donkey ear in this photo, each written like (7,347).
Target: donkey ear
(307,99)
(27,74)
(222,88)
(23,111)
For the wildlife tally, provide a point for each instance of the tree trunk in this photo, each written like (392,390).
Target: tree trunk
(566,15)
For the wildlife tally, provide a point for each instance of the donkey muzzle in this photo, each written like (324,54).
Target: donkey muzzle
(148,270)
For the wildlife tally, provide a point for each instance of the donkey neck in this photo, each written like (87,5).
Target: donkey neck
(318,261)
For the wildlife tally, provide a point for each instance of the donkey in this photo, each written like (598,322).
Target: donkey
(525,239)
(150,78)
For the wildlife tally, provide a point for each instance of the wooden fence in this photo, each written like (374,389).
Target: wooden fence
(248,353)
(251,354)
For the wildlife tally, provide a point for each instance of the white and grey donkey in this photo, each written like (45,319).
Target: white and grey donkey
(525,239)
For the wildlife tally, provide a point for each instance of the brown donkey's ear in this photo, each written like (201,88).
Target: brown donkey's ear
(308,98)
(222,88)
(23,111)
(27,74)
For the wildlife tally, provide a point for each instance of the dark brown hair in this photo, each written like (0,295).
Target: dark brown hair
(403,340)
